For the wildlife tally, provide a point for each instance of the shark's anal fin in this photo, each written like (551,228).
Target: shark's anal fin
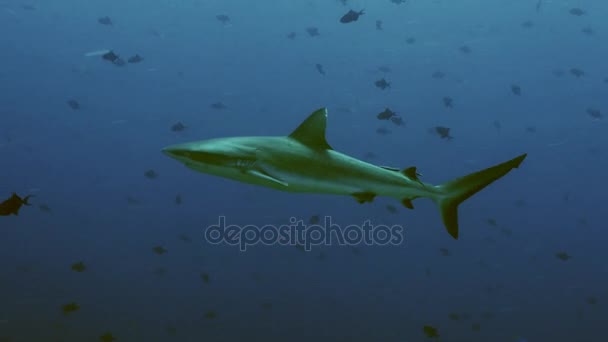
(311,132)
(364,197)
(266,176)
(407,203)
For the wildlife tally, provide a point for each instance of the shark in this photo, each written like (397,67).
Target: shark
(304,162)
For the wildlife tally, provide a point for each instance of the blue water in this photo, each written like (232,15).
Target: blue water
(500,281)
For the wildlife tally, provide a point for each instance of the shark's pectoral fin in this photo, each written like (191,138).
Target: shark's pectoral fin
(363,197)
(407,203)
(266,176)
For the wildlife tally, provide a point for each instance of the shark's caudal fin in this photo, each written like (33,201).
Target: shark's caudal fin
(458,190)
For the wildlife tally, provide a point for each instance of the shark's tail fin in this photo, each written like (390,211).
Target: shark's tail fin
(456,191)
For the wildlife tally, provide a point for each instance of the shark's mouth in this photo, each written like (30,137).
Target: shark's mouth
(217,159)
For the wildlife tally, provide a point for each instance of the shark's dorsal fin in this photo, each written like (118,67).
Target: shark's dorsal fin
(311,132)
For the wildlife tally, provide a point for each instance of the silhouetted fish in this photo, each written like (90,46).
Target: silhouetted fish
(448,102)
(73,104)
(386,114)
(291,35)
(515,89)
(351,16)
(12,205)
(312,31)
(223,18)
(382,84)
(576,11)
(443,132)
(379,25)
(320,69)
(178,127)
(105,21)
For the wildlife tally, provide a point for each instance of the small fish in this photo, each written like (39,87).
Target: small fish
(594,113)
(45,208)
(577,12)
(382,84)
(491,222)
(578,73)
(531,129)
(151,174)
(386,114)
(398,2)
(444,251)
(438,75)
(112,58)
(384,68)
(320,69)
(465,49)
(218,106)
(312,31)
(79,267)
(443,132)
(178,127)
(410,40)
(13,204)
(107,337)
(178,199)
(539,5)
(515,89)
(105,21)
(383,131)
(291,35)
(160,250)
(135,59)
(210,315)
(223,18)
(587,30)
(564,256)
(379,25)
(351,16)
(73,104)
(314,219)
(205,278)
(527,24)
(69,308)
(591,300)
(497,125)
(185,238)
(430,331)
(391,209)
(448,102)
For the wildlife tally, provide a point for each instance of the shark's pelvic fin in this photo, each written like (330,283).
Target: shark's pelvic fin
(311,132)
(456,191)
(363,197)
(266,176)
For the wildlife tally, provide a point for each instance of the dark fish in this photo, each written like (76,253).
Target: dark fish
(384,68)
(79,267)
(12,205)
(577,72)
(312,31)
(223,18)
(606,80)
(386,114)
(497,125)
(291,35)
(314,219)
(160,250)
(397,121)
(135,59)
(185,238)
(531,129)
(205,278)
(379,25)
(351,16)
(527,24)
(132,200)
(218,106)
(382,84)
(563,256)
(74,104)
(151,174)
(320,69)
(107,337)
(178,199)
(45,208)
(539,5)
(430,331)
(410,40)
(398,2)
(391,209)
(591,300)
(105,21)
(69,308)
(444,251)
(465,49)
(210,315)
(515,89)
(594,113)
(448,102)
(383,131)
(438,75)
(443,132)
(178,127)
(587,30)
(491,222)
(576,11)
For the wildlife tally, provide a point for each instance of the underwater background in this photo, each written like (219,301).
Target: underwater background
(112,247)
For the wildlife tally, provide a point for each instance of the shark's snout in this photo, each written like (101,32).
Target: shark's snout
(176,152)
